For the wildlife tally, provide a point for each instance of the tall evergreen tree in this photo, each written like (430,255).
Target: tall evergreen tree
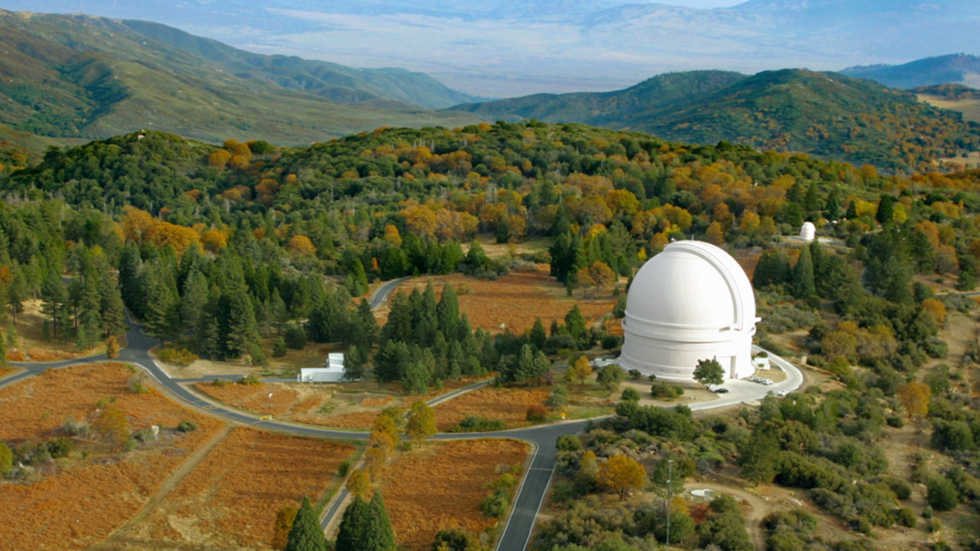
(243,332)
(803,283)
(378,534)
(538,337)
(447,312)
(54,297)
(351,535)
(193,300)
(112,306)
(306,534)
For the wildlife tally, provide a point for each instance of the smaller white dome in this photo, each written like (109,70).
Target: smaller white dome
(808,232)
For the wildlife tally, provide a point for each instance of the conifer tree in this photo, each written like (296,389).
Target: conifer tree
(243,332)
(379,536)
(447,311)
(803,283)
(53,300)
(306,534)
(353,526)
(538,337)
(193,300)
(113,309)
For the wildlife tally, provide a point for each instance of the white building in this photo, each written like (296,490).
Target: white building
(761,362)
(691,302)
(333,372)
(808,232)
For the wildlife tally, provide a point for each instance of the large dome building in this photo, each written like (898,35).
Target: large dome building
(690,302)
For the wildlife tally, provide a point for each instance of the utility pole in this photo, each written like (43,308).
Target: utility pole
(670,495)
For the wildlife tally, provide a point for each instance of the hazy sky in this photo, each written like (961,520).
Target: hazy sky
(701,3)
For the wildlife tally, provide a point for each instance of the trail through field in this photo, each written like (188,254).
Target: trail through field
(168,486)
(759,508)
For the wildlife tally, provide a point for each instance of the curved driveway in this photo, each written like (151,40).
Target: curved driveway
(517,532)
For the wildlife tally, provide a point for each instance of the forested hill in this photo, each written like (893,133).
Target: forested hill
(87,77)
(931,71)
(824,114)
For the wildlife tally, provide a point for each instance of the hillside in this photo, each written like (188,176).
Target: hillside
(948,69)
(609,108)
(87,77)
(824,114)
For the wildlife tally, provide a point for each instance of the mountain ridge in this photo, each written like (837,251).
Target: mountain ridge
(825,114)
(90,77)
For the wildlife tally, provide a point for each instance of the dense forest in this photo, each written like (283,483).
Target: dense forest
(213,246)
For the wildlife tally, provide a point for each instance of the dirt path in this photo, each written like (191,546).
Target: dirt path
(759,508)
(168,486)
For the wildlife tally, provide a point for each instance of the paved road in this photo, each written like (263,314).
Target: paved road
(518,529)
(381,295)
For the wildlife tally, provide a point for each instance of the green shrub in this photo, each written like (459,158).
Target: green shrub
(295,337)
(222,382)
(344,468)
(478,424)
(495,504)
(610,342)
(279,348)
(249,379)
(569,443)
(557,398)
(902,489)
(942,494)
(186,426)
(60,447)
(904,516)
(630,395)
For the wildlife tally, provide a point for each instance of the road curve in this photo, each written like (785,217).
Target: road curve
(520,525)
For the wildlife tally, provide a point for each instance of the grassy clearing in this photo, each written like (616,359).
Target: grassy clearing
(78,500)
(441,485)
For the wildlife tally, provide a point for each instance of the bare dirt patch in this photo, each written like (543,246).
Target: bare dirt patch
(441,485)
(506,404)
(79,500)
(231,499)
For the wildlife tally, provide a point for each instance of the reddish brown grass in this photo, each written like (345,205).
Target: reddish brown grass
(515,299)
(441,485)
(507,404)
(231,499)
(82,500)
(252,397)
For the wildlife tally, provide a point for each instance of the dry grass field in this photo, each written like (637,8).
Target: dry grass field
(441,485)
(969,107)
(514,300)
(507,404)
(230,500)
(77,501)
(347,405)
(32,348)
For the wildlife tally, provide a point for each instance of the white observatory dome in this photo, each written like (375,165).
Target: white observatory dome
(690,302)
(808,232)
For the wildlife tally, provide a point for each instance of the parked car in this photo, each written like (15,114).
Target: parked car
(721,390)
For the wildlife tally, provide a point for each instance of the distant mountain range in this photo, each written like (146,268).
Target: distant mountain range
(503,48)
(948,69)
(89,77)
(825,114)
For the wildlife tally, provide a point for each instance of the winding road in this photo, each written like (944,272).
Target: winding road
(518,529)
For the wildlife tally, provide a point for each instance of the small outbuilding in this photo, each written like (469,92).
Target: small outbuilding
(808,232)
(333,372)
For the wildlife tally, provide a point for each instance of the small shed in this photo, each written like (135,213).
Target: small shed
(332,372)
(761,362)
(808,232)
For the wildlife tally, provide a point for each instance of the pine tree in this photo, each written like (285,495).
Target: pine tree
(3,351)
(54,297)
(447,311)
(378,534)
(243,332)
(803,282)
(112,307)
(575,323)
(193,300)
(351,535)
(130,267)
(538,337)
(306,534)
